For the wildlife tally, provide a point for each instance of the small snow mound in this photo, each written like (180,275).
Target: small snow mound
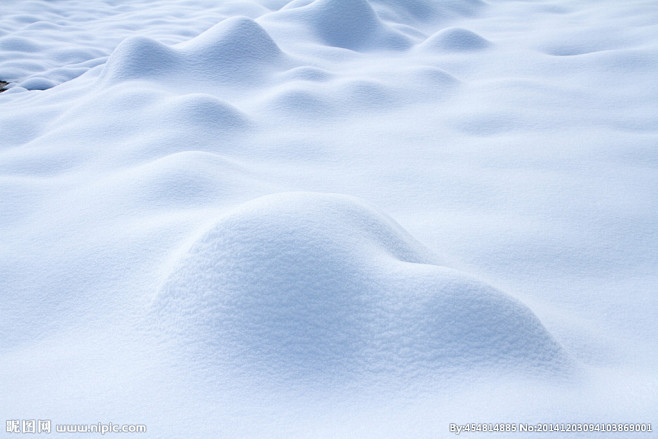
(365,94)
(435,75)
(349,24)
(203,110)
(572,48)
(309,285)
(297,101)
(455,39)
(37,83)
(307,73)
(188,178)
(236,40)
(140,57)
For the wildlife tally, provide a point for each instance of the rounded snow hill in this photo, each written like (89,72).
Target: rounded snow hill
(348,24)
(236,40)
(455,39)
(139,58)
(234,50)
(306,285)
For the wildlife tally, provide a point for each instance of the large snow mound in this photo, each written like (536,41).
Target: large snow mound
(300,284)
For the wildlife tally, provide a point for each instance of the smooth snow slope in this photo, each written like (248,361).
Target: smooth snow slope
(329,218)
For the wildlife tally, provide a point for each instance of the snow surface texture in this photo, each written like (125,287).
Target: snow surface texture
(328,218)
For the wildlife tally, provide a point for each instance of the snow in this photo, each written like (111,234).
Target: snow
(329,218)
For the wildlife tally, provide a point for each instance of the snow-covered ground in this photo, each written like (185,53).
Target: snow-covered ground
(329,218)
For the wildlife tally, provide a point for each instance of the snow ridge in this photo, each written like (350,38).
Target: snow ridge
(234,50)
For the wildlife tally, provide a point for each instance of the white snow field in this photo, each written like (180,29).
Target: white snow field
(329,218)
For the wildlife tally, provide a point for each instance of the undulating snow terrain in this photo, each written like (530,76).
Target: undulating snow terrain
(329,218)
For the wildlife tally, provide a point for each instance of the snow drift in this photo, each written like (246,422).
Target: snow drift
(306,284)
(236,49)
